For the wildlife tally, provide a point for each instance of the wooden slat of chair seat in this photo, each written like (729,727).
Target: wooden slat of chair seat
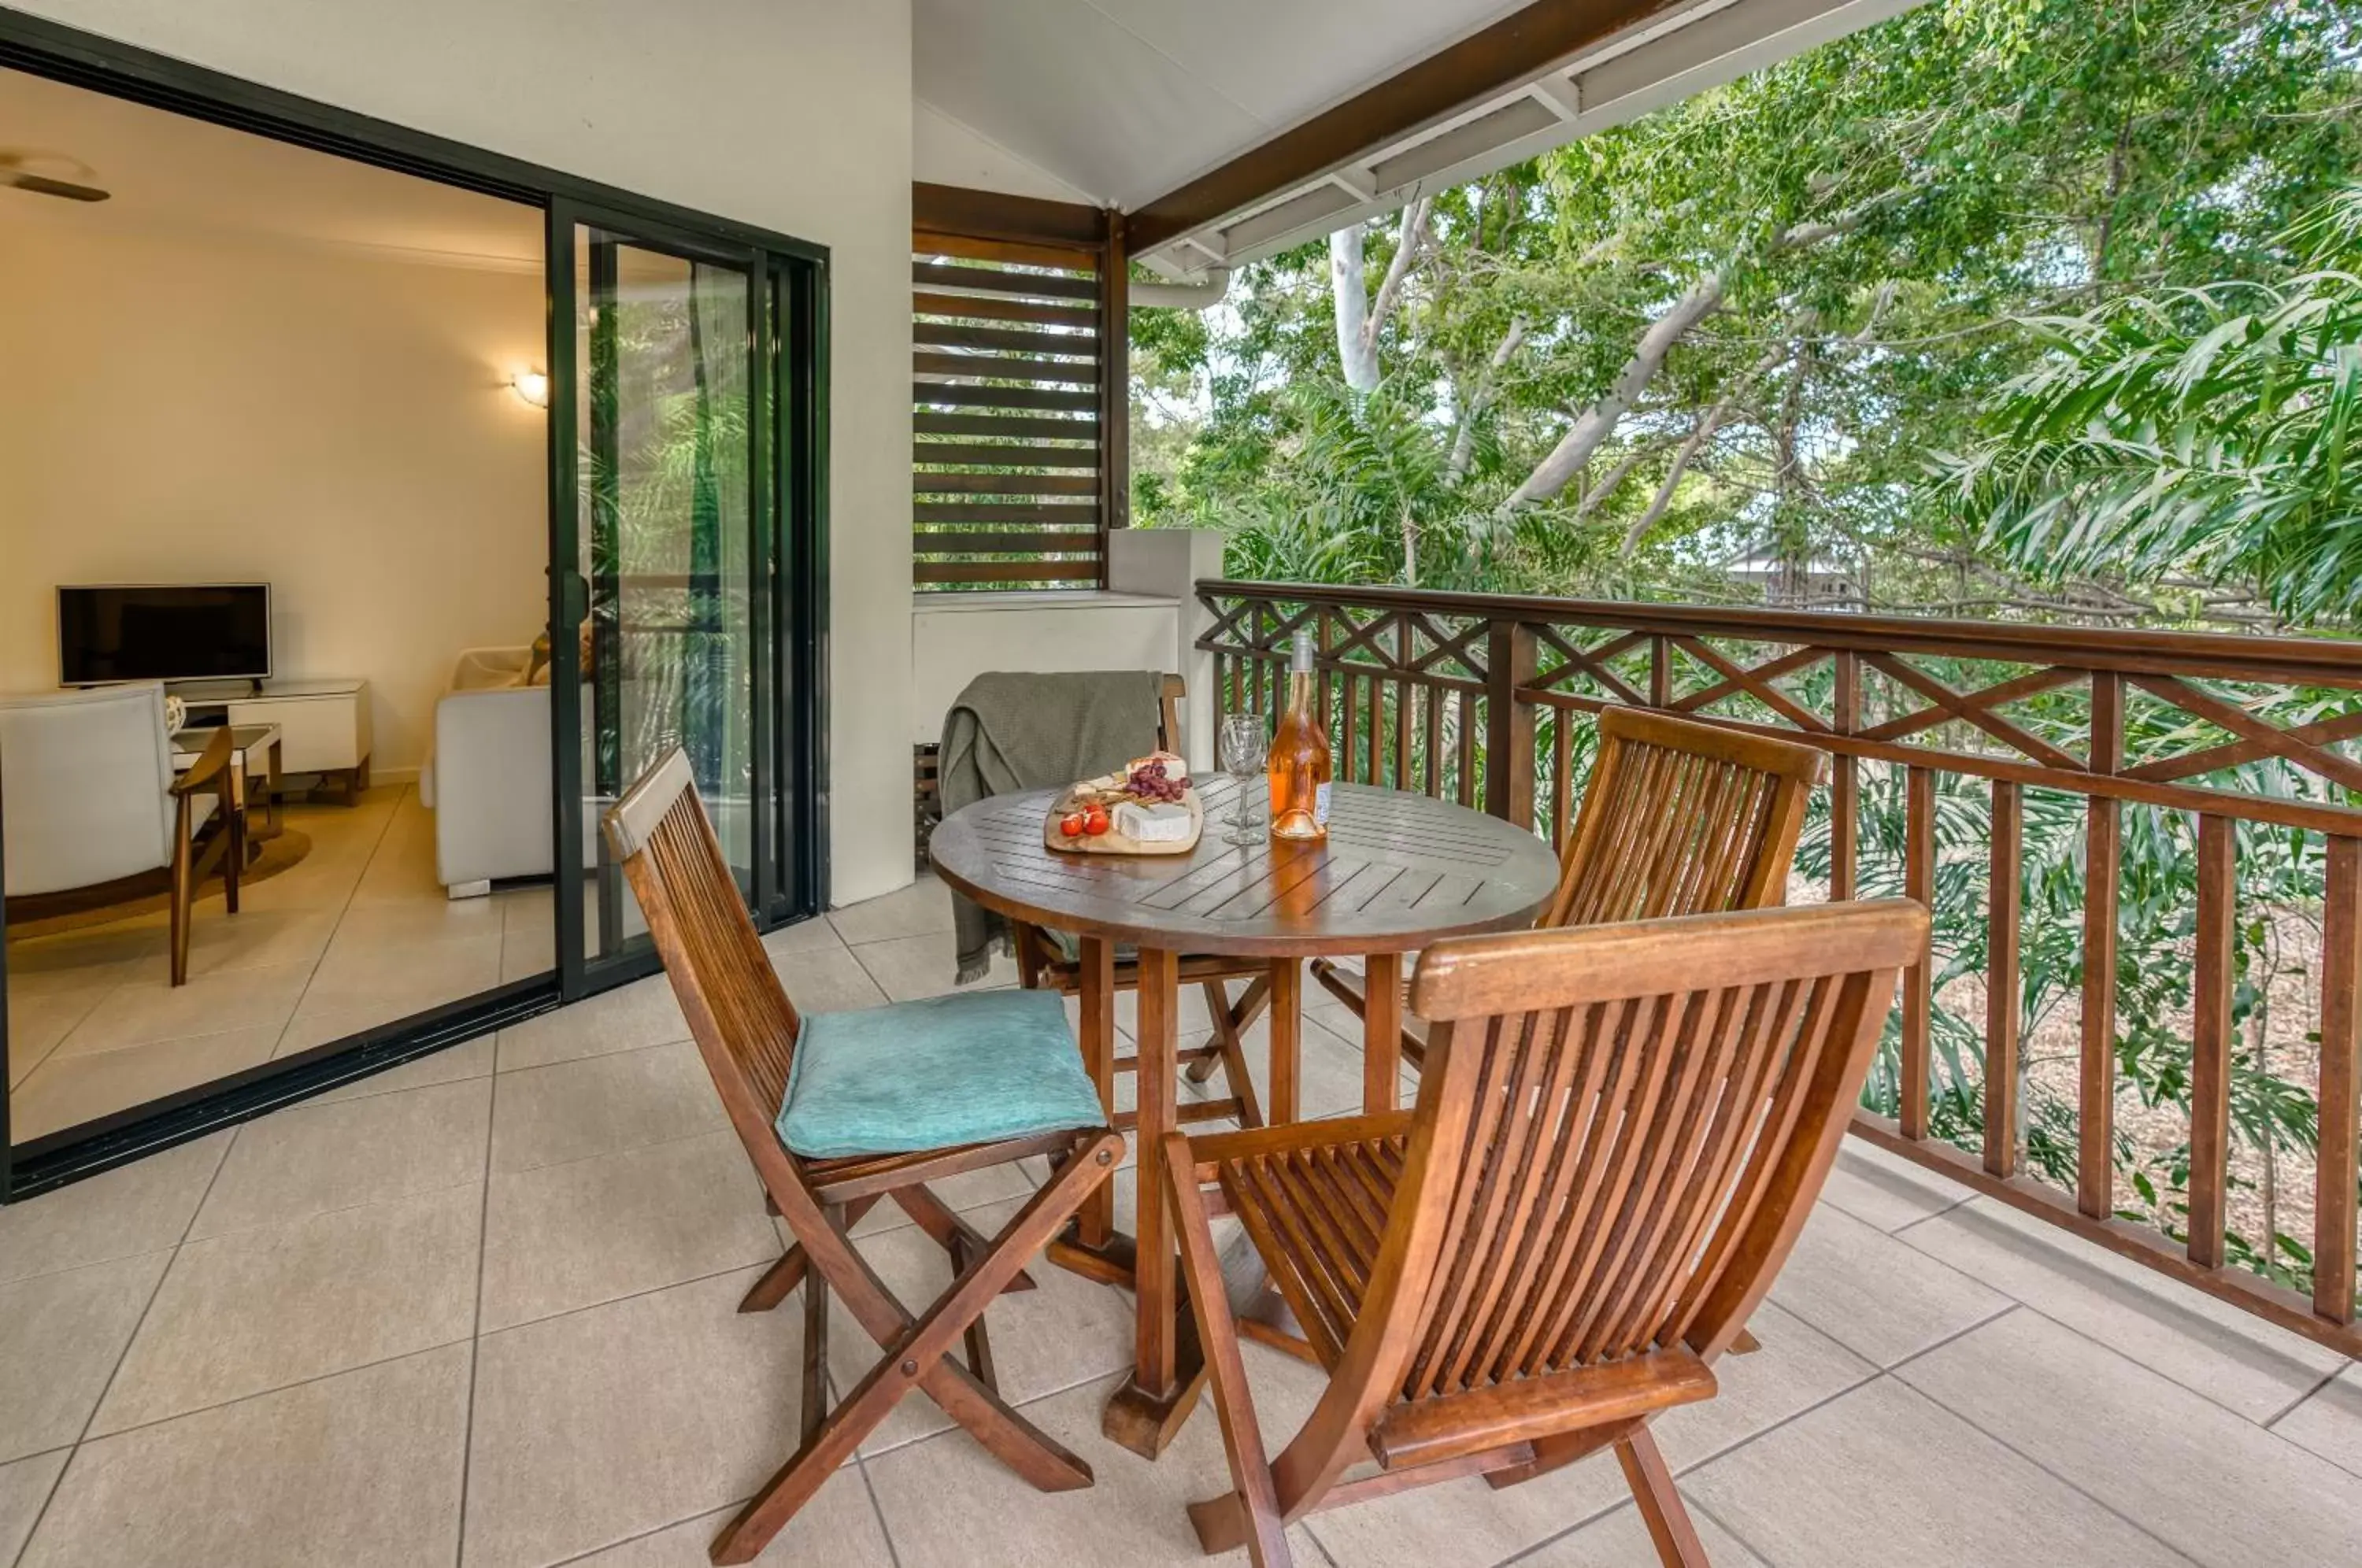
(746,1028)
(1678,818)
(1621,1133)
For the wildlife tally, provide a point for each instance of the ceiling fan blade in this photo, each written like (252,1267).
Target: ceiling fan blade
(41,185)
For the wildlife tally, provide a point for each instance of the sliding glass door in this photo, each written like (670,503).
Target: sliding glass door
(676,414)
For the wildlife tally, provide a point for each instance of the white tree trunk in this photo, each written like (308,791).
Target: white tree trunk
(1357,355)
(1597,422)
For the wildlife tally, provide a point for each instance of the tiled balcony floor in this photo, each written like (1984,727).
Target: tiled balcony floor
(478,1311)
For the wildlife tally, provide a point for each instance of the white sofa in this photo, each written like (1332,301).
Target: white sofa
(487,779)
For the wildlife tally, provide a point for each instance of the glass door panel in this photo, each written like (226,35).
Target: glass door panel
(667,487)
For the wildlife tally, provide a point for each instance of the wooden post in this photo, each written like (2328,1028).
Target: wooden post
(2096,1112)
(2335,1171)
(2210,1037)
(1095,1221)
(2004,893)
(1511,661)
(1918,981)
(1115,387)
(1845,785)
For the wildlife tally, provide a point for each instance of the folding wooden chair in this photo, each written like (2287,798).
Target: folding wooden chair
(1619,1133)
(838,1111)
(1052,960)
(1679,818)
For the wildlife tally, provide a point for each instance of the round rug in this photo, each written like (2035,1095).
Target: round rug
(151,893)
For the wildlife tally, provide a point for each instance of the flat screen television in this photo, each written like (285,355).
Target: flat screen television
(186,631)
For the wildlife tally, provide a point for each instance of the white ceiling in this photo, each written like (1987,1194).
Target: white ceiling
(173,174)
(1123,100)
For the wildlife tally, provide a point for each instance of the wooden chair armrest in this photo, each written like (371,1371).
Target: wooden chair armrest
(1213,1148)
(210,765)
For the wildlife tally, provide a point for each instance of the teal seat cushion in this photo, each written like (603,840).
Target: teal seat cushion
(972,1067)
(1068,948)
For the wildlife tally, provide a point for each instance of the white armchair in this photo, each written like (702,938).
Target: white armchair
(488,783)
(91,799)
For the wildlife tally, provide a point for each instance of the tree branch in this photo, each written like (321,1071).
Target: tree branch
(1480,398)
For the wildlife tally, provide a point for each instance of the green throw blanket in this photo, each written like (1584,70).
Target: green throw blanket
(1011,732)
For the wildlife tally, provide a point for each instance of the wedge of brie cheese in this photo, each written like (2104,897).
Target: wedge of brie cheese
(1158,823)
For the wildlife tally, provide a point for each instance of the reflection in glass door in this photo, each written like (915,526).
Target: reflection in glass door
(677,617)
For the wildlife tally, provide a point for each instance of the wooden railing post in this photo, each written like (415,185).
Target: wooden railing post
(2004,896)
(2335,1172)
(1511,661)
(2095,1170)
(2209,1039)
(1918,981)
(1845,783)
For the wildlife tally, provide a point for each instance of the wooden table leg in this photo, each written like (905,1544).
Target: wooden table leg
(1094,1223)
(1167,1368)
(1286,1040)
(1382,1032)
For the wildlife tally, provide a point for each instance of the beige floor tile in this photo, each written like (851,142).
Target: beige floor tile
(526,953)
(154,1008)
(608,1423)
(1329,1069)
(1065,1332)
(405,978)
(909,967)
(919,910)
(405,925)
(67,1090)
(259,939)
(838,1528)
(360,1471)
(826,979)
(949,1503)
(1621,1540)
(1886,1191)
(2329,1423)
(265,1308)
(2213,1485)
(309,1029)
(803,937)
(37,1023)
(1872,1294)
(24,1490)
(1464,1520)
(642,1014)
(468,1059)
(1798,1368)
(314,1158)
(2234,1359)
(1885,1475)
(599,1105)
(97,959)
(61,1336)
(143,1206)
(561,1237)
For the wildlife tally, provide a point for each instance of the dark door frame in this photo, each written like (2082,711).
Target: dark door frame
(795,272)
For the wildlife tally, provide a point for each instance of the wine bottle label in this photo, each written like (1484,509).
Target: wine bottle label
(1320,804)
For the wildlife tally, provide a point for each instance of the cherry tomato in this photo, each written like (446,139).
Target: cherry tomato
(1095,821)
(1071,824)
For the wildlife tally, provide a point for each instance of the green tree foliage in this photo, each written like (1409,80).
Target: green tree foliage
(1747,320)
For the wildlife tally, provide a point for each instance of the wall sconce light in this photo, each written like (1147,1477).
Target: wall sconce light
(533,386)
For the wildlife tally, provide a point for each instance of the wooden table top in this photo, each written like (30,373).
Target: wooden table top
(1398,871)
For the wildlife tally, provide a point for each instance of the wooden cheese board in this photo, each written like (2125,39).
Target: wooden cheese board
(1107,792)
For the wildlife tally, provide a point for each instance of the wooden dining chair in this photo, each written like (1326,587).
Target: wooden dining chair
(1052,960)
(1678,818)
(838,1111)
(1621,1131)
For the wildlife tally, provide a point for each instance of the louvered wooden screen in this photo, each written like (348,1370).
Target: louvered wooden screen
(1011,474)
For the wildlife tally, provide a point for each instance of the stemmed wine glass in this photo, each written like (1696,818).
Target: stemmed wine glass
(1244,746)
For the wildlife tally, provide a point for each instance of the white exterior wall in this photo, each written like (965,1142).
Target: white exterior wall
(792,114)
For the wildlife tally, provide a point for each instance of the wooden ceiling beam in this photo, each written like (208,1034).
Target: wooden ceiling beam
(992,215)
(1500,59)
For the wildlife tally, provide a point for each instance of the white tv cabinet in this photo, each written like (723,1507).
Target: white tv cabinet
(324,726)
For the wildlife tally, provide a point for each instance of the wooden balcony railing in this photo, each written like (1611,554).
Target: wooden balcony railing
(1944,735)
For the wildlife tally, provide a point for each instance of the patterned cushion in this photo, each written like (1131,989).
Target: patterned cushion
(972,1067)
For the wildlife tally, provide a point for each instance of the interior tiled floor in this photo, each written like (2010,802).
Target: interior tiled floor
(480,1310)
(357,933)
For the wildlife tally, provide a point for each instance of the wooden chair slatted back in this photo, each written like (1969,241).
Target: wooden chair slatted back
(1630,1124)
(1682,818)
(738,1011)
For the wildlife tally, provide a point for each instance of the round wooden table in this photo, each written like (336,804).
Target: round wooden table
(1398,872)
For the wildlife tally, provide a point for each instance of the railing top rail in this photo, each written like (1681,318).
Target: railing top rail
(2313,661)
